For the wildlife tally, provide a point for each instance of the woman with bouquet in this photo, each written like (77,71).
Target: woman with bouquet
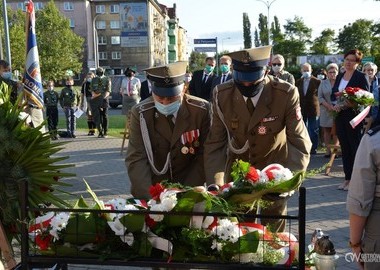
(349,137)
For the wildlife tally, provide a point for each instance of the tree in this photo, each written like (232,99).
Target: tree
(277,35)
(247,31)
(297,30)
(263,27)
(59,48)
(356,35)
(197,61)
(323,43)
(256,38)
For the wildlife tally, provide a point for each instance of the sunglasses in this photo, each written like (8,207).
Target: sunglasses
(276,65)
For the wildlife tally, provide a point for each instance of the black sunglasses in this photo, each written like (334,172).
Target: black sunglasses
(278,65)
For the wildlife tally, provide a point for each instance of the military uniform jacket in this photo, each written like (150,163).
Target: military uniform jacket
(69,97)
(51,98)
(100,85)
(275,133)
(187,169)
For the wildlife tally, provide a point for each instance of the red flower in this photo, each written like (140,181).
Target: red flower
(43,241)
(252,175)
(150,222)
(351,90)
(156,190)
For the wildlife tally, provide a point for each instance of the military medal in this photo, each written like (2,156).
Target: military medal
(196,143)
(184,150)
(191,150)
(262,130)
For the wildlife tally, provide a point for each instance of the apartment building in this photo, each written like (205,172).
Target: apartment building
(120,34)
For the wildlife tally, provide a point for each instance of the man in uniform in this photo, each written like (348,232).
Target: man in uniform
(101,89)
(167,133)
(69,100)
(256,118)
(51,99)
(363,200)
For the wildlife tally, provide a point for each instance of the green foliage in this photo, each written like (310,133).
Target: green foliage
(263,26)
(323,43)
(197,61)
(59,48)
(247,31)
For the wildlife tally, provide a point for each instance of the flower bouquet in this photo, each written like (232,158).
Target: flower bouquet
(250,184)
(356,96)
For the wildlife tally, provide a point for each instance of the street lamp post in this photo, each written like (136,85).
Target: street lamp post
(95,41)
(268,5)
(223,39)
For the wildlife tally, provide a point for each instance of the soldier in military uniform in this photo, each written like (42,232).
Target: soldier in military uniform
(256,118)
(167,133)
(363,200)
(101,89)
(69,100)
(6,77)
(51,99)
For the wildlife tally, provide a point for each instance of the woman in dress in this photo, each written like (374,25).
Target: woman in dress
(349,138)
(326,120)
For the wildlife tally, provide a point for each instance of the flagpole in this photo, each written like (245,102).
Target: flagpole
(6,34)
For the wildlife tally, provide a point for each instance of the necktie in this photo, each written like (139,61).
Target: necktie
(250,106)
(129,88)
(223,78)
(204,79)
(170,120)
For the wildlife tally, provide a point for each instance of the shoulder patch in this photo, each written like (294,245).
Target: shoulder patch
(197,102)
(145,105)
(373,131)
(280,84)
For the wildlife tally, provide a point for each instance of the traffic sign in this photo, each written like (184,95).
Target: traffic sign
(205,41)
(368,59)
(205,49)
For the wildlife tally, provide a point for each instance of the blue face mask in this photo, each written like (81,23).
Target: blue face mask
(7,75)
(224,68)
(209,69)
(169,109)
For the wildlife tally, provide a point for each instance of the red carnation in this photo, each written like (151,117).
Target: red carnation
(43,241)
(156,190)
(252,175)
(150,222)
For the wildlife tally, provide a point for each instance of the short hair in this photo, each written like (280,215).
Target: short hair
(210,58)
(370,64)
(358,55)
(226,57)
(306,64)
(279,57)
(332,65)
(322,71)
(4,63)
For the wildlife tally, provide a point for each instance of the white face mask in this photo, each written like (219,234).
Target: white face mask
(321,76)
(306,74)
(276,69)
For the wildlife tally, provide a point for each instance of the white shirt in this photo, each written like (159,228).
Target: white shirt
(135,86)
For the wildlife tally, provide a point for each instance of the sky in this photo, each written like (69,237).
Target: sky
(223,19)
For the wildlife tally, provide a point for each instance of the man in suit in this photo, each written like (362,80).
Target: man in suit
(308,91)
(146,89)
(201,83)
(167,133)
(225,69)
(256,118)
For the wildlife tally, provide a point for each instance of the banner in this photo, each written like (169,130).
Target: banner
(33,89)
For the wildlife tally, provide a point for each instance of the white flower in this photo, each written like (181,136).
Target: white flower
(118,203)
(227,230)
(58,222)
(155,217)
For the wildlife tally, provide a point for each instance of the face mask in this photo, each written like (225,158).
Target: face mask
(50,88)
(306,74)
(224,68)
(209,69)
(7,75)
(100,74)
(129,74)
(251,90)
(188,79)
(169,109)
(89,79)
(321,76)
(276,69)
(68,85)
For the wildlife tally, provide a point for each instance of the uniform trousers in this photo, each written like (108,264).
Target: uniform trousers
(52,118)
(349,139)
(70,119)
(371,240)
(99,109)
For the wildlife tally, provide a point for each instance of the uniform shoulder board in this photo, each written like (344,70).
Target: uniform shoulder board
(224,86)
(145,106)
(197,102)
(280,84)
(373,131)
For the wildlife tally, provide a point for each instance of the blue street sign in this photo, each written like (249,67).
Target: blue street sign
(205,49)
(205,41)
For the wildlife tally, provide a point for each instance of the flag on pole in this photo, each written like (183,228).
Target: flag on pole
(32,77)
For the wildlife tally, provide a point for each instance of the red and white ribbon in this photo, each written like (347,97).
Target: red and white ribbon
(360,117)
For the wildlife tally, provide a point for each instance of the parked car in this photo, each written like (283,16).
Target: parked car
(116,98)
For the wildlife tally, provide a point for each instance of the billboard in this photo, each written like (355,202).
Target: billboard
(134,24)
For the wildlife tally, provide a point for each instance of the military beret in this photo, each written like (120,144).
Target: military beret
(167,80)
(251,59)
